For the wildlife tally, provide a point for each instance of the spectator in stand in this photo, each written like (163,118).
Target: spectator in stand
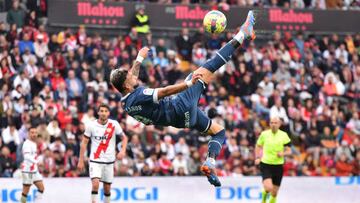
(16,15)
(10,137)
(75,88)
(7,164)
(184,45)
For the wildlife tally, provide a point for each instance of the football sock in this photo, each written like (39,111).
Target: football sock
(39,194)
(94,195)
(107,198)
(224,54)
(23,198)
(215,143)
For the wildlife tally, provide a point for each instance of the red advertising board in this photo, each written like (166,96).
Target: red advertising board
(176,16)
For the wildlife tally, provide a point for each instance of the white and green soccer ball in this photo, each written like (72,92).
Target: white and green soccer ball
(214,22)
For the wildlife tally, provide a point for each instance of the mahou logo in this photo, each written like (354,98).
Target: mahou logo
(99,10)
(280,16)
(185,13)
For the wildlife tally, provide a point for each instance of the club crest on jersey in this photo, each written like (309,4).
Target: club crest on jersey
(148,91)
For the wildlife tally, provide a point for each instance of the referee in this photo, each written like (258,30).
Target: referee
(271,147)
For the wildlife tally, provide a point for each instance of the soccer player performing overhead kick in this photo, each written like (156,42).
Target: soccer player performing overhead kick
(154,107)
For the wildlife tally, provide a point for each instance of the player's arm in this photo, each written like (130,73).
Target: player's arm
(135,69)
(124,143)
(258,153)
(83,146)
(174,89)
(287,150)
(287,147)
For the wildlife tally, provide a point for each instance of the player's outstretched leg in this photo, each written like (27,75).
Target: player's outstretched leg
(225,53)
(217,133)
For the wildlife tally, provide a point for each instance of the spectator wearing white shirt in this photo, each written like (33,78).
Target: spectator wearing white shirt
(31,68)
(279,111)
(89,116)
(167,147)
(54,129)
(41,48)
(22,80)
(57,146)
(180,162)
(342,53)
(182,147)
(10,137)
(267,86)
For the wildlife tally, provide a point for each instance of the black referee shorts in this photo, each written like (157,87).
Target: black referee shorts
(275,172)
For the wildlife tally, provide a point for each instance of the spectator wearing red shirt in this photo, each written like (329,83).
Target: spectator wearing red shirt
(64,117)
(343,166)
(165,165)
(59,62)
(56,79)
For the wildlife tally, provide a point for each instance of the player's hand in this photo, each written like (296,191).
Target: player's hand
(280,154)
(144,52)
(121,155)
(80,166)
(196,77)
(257,161)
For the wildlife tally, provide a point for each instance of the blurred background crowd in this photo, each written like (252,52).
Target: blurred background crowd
(56,80)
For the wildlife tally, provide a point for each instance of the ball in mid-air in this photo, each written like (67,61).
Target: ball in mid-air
(215,22)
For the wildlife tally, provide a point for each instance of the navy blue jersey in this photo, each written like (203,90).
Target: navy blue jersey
(178,111)
(143,105)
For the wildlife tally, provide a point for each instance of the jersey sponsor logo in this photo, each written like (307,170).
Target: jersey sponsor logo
(148,91)
(104,144)
(133,108)
(99,137)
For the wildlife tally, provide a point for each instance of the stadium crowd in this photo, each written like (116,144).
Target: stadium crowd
(56,80)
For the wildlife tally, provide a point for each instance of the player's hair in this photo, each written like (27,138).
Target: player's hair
(117,79)
(103,105)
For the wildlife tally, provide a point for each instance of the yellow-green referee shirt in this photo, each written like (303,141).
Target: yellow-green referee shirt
(272,144)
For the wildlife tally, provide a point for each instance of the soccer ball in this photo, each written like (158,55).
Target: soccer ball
(214,22)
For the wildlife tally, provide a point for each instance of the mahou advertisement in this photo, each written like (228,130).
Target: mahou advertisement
(177,16)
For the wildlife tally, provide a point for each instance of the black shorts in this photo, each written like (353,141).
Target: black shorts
(275,172)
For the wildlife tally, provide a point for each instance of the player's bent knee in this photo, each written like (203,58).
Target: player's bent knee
(215,128)
(206,74)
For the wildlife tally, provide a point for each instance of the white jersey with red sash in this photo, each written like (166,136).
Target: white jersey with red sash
(103,140)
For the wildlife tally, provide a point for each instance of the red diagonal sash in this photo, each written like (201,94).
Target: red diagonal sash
(109,131)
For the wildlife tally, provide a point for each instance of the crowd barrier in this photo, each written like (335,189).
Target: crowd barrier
(191,190)
(176,16)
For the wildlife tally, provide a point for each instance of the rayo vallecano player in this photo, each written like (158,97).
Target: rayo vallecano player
(102,133)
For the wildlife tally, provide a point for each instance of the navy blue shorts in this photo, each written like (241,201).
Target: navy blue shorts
(190,97)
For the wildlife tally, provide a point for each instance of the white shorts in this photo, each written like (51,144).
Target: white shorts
(30,178)
(105,172)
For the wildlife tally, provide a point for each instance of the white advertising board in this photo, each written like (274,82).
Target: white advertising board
(191,190)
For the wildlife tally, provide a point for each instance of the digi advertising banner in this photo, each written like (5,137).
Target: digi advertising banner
(190,190)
